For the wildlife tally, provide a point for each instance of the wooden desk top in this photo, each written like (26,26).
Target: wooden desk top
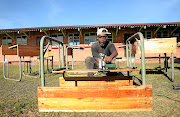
(94,70)
(26,50)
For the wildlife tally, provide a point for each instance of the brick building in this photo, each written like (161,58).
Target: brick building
(85,35)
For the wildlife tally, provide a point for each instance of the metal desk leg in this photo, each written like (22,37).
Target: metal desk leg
(27,67)
(4,66)
(159,60)
(30,66)
(172,65)
(134,60)
(129,77)
(4,72)
(72,59)
(52,63)
(8,69)
(166,64)
(66,57)
(26,75)
(47,65)
(20,73)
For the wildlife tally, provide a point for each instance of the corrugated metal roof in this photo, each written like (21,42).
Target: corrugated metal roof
(91,26)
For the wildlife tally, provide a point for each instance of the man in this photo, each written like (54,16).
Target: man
(101,49)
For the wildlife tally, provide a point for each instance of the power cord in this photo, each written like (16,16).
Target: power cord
(167,97)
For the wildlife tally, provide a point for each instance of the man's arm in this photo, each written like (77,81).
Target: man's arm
(95,52)
(110,58)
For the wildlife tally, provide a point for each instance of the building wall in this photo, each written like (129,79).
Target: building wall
(80,55)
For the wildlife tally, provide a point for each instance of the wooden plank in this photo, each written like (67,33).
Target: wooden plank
(69,104)
(93,103)
(160,45)
(28,50)
(123,70)
(79,92)
(104,110)
(7,51)
(127,103)
(125,91)
(105,83)
(96,81)
(69,51)
(133,49)
(95,98)
(156,57)
(94,70)
(103,78)
(49,53)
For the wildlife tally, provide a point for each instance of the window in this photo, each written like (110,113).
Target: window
(147,34)
(38,39)
(177,34)
(21,40)
(162,34)
(89,38)
(59,37)
(6,41)
(126,36)
(110,37)
(73,39)
(165,33)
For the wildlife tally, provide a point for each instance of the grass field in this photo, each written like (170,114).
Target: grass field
(20,98)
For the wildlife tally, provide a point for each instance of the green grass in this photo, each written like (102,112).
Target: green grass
(20,98)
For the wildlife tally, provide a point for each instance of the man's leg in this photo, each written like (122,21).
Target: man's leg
(90,64)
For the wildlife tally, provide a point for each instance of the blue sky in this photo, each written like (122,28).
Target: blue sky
(42,13)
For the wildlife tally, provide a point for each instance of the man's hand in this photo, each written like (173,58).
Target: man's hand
(108,59)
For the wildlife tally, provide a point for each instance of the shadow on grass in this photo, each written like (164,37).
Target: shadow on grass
(177,68)
(157,71)
(135,83)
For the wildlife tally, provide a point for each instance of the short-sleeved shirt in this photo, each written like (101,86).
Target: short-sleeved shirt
(101,52)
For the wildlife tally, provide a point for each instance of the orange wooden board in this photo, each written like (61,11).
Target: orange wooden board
(21,50)
(160,45)
(27,50)
(7,51)
(111,98)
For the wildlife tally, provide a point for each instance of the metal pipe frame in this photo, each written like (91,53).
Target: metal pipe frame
(166,65)
(4,71)
(26,75)
(42,56)
(141,45)
(159,60)
(172,66)
(73,47)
